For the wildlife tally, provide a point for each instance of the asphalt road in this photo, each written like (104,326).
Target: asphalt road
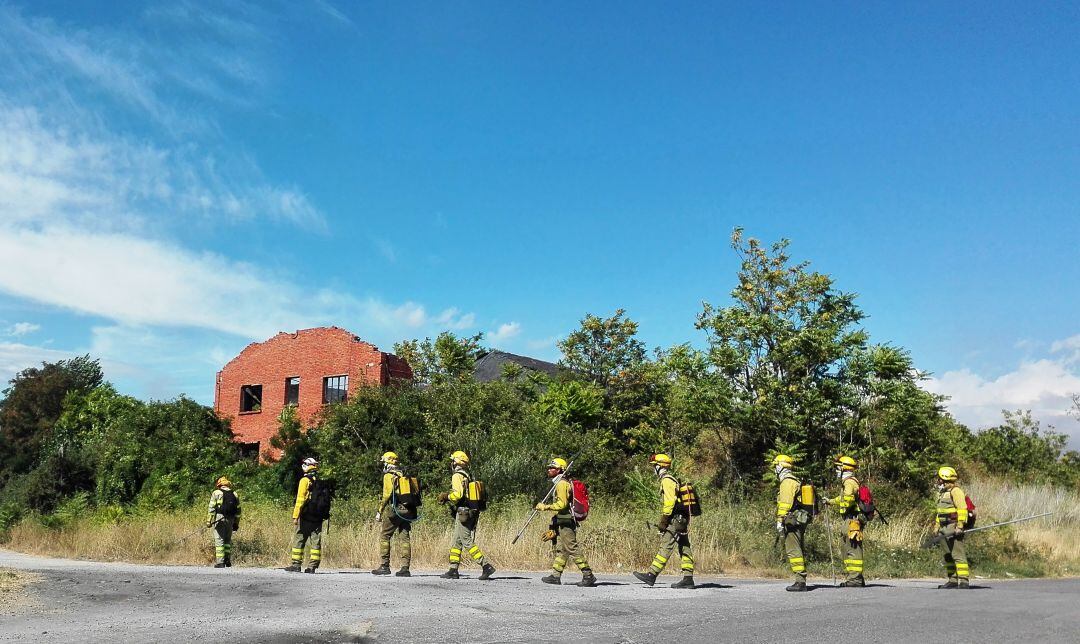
(79,601)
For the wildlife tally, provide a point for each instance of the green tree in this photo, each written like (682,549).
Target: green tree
(447,357)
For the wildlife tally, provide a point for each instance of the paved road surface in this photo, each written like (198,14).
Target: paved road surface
(79,601)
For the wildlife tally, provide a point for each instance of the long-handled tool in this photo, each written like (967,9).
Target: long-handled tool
(554,484)
(829,536)
(932,541)
(194,532)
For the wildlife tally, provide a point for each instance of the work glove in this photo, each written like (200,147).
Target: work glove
(548,536)
(541,506)
(378,516)
(444,497)
(665,521)
(959,530)
(780,527)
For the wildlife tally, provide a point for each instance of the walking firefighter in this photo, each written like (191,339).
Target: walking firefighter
(952,519)
(677,504)
(467,500)
(563,530)
(312,507)
(848,507)
(400,499)
(223,515)
(794,504)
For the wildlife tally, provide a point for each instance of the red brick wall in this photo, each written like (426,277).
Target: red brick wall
(311,354)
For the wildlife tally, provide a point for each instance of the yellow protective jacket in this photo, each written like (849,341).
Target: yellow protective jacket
(951,507)
(561,502)
(669,494)
(216,497)
(303,493)
(457,487)
(388,481)
(785,498)
(845,503)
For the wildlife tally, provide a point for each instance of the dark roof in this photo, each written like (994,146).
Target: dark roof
(490,367)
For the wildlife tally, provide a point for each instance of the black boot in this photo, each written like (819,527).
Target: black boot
(588,579)
(854,582)
(228,561)
(963,584)
(311,570)
(687,582)
(404,572)
(487,572)
(949,585)
(797,587)
(451,574)
(382,570)
(220,565)
(295,567)
(648,577)
(551,579)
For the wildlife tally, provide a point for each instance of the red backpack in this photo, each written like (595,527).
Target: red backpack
(865,500)
(970,523)
(579,500)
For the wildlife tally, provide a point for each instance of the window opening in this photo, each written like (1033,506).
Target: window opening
(292,390)
(250,398)
(335,389)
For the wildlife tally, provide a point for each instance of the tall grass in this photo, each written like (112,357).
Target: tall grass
(730,538)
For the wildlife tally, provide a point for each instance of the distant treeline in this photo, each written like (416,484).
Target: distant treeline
(784,366)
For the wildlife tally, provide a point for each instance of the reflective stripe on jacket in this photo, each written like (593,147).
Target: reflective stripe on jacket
(952,507)
(785,498)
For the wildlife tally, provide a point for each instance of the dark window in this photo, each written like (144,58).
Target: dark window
(292,391)
(335,389)
(249,451)
(250,398)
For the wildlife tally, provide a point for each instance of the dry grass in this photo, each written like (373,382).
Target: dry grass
(729,539)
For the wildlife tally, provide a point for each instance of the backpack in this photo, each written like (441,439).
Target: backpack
(864,499)
(805,507)
(970,523)
(230,505)
(407,491)
(579,500)
(476,497)
(317,507)
(687,498)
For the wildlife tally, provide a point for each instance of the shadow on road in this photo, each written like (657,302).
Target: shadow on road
(711,585)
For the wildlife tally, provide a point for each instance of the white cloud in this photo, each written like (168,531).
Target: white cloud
(1043,386)
(504,333)
(14,357)
(1070,347)
(22,328)
(454,320)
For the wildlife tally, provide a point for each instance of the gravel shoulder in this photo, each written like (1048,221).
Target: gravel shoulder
(79,601)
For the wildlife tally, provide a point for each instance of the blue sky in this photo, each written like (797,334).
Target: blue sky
(180,179)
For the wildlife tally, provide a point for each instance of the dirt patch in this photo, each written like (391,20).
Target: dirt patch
(15,593)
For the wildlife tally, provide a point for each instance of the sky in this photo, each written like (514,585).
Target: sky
(180,179)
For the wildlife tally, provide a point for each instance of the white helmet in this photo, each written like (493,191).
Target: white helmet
(309,465)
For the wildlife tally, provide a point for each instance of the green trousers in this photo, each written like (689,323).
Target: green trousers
(853,554)
(310,535)
(566,549)
(676,537)
(391,527)
(464,538)
(952,550)
(223,541)
(793,548)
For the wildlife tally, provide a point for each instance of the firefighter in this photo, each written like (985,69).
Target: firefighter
(791,519)
(393,521)
(223,515)
(674,527)
(563,530)
(308,528)
(952,515)
(848,508)
(465,519)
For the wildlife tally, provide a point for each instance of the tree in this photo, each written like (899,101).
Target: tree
(32,404)
(602,350)
(448,357)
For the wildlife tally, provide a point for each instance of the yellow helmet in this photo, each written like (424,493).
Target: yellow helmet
(946,474)
(459,458)
(783,459)
(557,463)
(390,458)
(663,460)
(222,481)
(845,463)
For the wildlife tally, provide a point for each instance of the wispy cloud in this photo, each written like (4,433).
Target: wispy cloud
(20,329)
(504,332)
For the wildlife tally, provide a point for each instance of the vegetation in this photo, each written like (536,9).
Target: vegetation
(784,366)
